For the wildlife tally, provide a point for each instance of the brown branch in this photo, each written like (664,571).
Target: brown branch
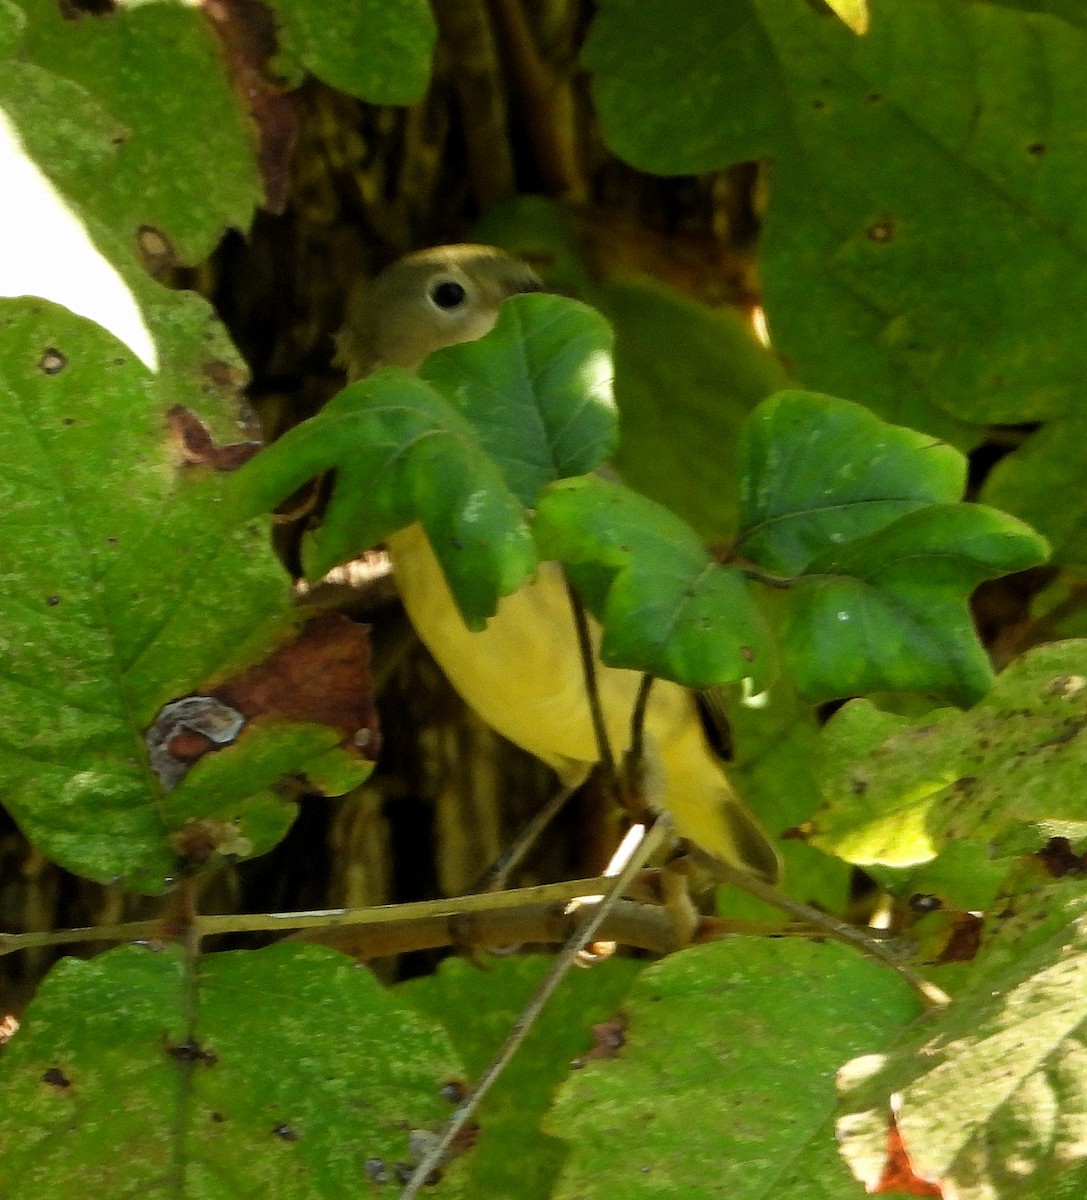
(545,102)
(477,76)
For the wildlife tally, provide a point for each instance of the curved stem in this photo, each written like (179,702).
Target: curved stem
(860,939)
(588,663)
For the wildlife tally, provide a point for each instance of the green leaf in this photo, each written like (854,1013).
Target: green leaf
(477,1007)
(889,612)
(686,377)
(401,454)
(378,50)
(461,450)
(1025,483)
(135,120)
(820,472)
(947,134)
(128,584)
(686,374)
(725,1085)
(989,1092)
(656,78)
(314,1091)
(242,787)
(537,390)
(666,607)
(1005,775)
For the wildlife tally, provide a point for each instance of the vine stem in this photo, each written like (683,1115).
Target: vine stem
(842,931)
(596,911)
(596,710)
(497,875)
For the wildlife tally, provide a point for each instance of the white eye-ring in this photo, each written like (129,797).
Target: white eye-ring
(446,293)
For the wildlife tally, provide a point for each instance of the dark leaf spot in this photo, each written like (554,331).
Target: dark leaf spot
(286,1132)
(197,448)
(964,940)
(609,1037)
(1059,860)
(73,10)
(52,601)
(190,1052)
(1037,149)
(55,1077)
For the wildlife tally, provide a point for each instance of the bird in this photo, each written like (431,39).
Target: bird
(523,673)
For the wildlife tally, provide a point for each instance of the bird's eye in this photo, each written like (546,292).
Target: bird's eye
(447,293)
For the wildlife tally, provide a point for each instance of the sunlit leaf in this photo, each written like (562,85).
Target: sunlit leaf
(1005,775)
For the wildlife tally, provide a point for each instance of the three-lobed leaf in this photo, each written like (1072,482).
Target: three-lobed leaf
(818,472)
(890,611)
(401,454)
(462,450)
(667,608)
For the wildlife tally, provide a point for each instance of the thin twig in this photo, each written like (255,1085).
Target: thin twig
(841,931)
(768,578)
(586,929)
(497,875)
(545,102)
(592,693)
(637,717)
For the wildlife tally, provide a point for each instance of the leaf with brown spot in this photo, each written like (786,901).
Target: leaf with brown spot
(609,1037)
(195,446)
(322,676)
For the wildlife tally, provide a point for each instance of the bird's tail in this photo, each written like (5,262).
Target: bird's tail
(705,805)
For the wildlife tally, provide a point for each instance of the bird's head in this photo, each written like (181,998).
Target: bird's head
(428,300)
